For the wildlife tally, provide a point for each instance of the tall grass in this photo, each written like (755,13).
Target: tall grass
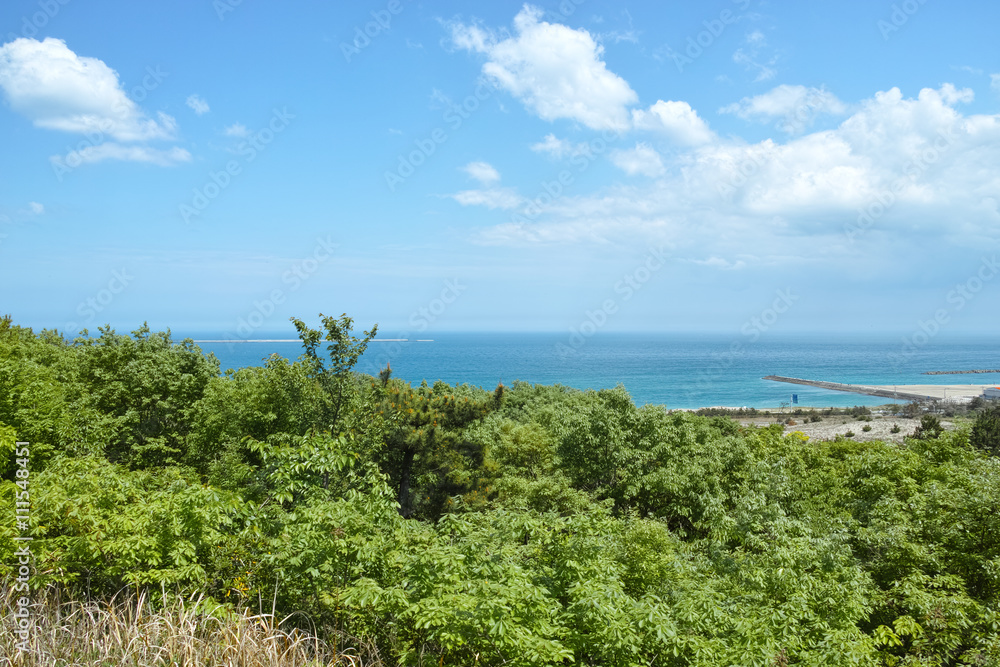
(130,631)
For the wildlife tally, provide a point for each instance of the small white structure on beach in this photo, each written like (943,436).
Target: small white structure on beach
(991,392)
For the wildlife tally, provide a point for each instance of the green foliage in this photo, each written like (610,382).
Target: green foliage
(426,445)
(145,388)
(333,372)
(259,403)
(529,525)
(37,386)
(985,433)
(930,427)
(103,526)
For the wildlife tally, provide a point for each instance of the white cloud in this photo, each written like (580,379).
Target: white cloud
(115,151)
(236,130)
(675,119)
(639,160)
(35,208)
(559,148)
(555,71)
(483,172)
(493,198)
(58,90)
(952,95)
(927,170)
(197,104)
(794,106)
(995,82)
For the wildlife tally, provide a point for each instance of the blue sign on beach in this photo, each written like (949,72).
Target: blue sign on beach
(795,398)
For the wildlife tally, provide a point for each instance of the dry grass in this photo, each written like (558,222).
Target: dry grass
(130,631)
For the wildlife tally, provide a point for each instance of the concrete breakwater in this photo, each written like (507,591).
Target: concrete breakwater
(857,389)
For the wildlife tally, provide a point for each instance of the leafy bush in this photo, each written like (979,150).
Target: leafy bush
(450,525)
(930,427)
(985,433)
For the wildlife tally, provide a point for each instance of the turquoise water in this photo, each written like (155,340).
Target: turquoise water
(676,370)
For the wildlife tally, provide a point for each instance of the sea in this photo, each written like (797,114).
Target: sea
(679,371)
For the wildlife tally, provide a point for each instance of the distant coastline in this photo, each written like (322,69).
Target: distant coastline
(676,370)
(994,370)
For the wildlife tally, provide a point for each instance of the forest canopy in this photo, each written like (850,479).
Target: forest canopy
(521,525)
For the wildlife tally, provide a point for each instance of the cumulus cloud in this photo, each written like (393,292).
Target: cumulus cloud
(132,153)
(555,71)
(677,120)
(923,167)
(197,104)
(58,90)
(795,107)
(483,172)
(642,159)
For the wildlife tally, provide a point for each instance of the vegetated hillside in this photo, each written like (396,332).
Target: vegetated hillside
(527,525)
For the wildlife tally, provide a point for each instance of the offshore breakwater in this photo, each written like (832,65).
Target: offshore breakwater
(857,389)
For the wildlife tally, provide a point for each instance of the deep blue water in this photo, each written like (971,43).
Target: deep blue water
(676,370)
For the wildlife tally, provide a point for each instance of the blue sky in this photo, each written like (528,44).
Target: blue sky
(443,166)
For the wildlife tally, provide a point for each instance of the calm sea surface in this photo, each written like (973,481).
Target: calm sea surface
(676,370)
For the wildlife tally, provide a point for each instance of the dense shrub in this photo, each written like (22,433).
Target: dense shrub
(986,431)
(528,525)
